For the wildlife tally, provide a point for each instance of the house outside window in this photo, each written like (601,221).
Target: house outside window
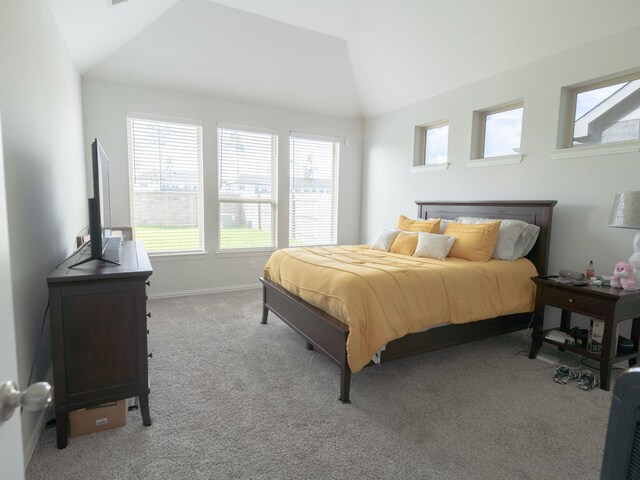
(165,183)
(603,112)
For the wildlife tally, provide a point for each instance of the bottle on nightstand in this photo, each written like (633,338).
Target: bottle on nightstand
(591,272)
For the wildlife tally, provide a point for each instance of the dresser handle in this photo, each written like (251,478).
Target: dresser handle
(147,331)
(149,314)
(571,300)
(150,355)
(148,282)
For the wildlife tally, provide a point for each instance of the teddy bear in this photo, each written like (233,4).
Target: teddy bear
(623,276)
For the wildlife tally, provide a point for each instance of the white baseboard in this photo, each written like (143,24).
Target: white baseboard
(203,291)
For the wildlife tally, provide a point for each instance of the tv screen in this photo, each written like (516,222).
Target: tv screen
(99,205)
(101,189)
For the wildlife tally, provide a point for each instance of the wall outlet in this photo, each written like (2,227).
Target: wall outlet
(252,264)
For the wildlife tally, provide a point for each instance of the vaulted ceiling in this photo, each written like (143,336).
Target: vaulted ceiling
(340,57)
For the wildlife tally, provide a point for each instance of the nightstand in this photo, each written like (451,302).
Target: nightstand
(613,305)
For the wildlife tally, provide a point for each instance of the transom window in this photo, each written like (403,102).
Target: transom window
(604,112)
(432,145)
(247,159)
(313,193)
(500,131)
(165,183)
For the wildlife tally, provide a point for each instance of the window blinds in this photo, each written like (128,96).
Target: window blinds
(165,184)
(247,188)
(313,193)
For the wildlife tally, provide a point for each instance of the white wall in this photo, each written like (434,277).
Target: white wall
(105,107)
(41,107)
(584,187)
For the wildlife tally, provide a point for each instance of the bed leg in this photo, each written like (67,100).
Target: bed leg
(345,383)
(265,312)
(309,345)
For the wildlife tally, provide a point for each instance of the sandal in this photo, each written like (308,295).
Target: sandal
(587,381)
(564,375)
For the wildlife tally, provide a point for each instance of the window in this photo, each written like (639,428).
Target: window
(436,144)
(604,112)
(432,145)
(313,193)
(500,130)
(247,188)
(165,183)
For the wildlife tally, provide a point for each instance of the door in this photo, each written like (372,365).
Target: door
(11,457)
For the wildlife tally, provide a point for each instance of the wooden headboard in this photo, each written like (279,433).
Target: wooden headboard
(537,212)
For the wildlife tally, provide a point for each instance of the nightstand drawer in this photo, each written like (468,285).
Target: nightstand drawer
(574,301)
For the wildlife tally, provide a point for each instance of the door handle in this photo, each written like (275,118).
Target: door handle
(37,397)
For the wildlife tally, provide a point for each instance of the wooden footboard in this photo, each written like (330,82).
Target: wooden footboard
(329,335)
(321,330)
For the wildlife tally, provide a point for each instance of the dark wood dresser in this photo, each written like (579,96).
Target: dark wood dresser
(99,334)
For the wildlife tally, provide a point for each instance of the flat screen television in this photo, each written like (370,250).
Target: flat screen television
(99,208)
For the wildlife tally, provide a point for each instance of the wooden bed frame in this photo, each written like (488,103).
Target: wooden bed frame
(329,335)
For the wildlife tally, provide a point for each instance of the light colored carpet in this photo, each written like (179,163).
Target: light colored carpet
(232,398)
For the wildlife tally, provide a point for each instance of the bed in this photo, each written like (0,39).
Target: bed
(330,335)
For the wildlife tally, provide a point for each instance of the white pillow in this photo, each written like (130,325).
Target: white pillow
(384,240)
(515,237)
(527,240)
(433,245)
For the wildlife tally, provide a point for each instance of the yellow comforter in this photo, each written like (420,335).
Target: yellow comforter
(383,296)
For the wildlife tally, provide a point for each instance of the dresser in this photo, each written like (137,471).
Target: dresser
(99,334)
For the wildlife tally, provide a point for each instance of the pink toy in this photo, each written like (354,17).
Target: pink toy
(623,277)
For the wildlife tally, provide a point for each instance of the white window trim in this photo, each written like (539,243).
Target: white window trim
(432,167)
(173,257)
(480,126)
(239,253)
(164,118)
(248,251)
(567,122)
(419,147)
(336,166)
(613,148)
(495,161)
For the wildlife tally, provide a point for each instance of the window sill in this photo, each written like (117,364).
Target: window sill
(244,253)
(494,161)
(172,257)
(433,167)
(596,150)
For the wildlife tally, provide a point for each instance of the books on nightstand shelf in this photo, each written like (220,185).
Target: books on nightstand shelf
(596,335)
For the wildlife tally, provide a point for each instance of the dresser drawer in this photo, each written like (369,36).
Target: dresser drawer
(574,301)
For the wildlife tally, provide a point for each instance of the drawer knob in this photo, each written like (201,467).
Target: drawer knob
(147,331)
(148,282)
(149,314)
(571,300)
(150,355)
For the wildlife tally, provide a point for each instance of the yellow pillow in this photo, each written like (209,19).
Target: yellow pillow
(474,242)
(405,243)
(407,225)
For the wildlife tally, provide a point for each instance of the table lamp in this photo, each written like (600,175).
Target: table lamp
(626,214)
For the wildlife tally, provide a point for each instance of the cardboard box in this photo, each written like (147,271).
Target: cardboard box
(96,419)
(596,335)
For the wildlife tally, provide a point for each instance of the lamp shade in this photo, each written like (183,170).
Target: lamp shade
(626,210)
